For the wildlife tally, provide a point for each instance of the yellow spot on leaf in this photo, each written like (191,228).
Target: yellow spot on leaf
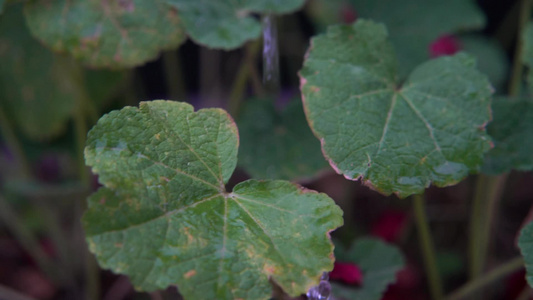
(158,136)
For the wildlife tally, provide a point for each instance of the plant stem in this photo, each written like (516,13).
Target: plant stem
(80,126)
(427,248)
(174,76)
(516,74)
(496,274)
(239,84)
(7,293)
(14,145)
(488,190)
(271,79)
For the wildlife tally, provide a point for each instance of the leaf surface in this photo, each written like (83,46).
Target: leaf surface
(164,218)
(278,145)
(512,133)
(111,34)
(413,24)
(36,91)
(397,139)
(525,243)
(227,24)
(379,263)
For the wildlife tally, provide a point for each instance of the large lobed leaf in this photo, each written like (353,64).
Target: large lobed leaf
(397,139)
(106,33)
(512,134)
(278,144)
(164,217)
(414,24)
(227,24)
(379,263)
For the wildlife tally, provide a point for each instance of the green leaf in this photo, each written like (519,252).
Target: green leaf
(227,24)
(512,134)
(414,24)
(164,217)
(528,52)
(492,59)
(379,263)
(36,91)
(525,243)
(397,139)
(112,34)
(278,145)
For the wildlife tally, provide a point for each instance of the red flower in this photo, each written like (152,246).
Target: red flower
(347,272)
(444,45)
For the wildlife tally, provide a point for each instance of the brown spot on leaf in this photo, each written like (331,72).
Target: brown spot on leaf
(315,89)
(269,269)
(119,245)
(102,201)
(189,274)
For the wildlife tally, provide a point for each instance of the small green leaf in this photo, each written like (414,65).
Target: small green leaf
(528,52)
(398,140)
(164,217)
(36,90)
(414,24)
(525,243)
(278,145)
(112,34)
(227,24)
(512,134)
(379,263)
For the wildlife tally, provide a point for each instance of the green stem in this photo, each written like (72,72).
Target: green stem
(174,76)
(7,293)
(271,79)
(92,277)
(487,279)
(427,248)
(516,74)
(489,190)
(14,145)
(27,240)
(80,127)
(239,84)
